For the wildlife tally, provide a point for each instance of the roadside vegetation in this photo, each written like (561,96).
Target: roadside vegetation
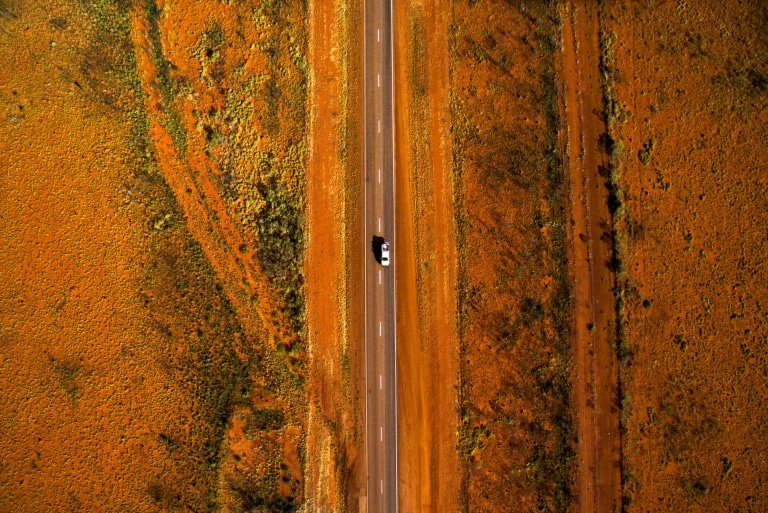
(690,331)
(242,144)
(516,431)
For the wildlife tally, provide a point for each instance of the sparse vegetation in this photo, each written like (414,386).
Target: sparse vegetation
(498,170)
(167,82)
(153,228)
(258,140)
(67,373)
(645,154)
(683,389)
(156,356)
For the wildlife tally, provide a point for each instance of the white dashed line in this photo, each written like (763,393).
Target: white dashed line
(378,79)
(379,125)
(378,35)
(379,329)
(381,434)
(379,225)
(382,487)
(379,175)
(380,382)
(379,276)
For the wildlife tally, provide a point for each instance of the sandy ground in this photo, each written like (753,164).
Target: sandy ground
(152,341)
(153,347)
(516,433)
(219,146)
(336,470)
(99,336)
(690,85)
(595,369)
(427,343)
(609,301)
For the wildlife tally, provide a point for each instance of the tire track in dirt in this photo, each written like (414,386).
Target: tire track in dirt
(427,341)
(335,467)
(595,366)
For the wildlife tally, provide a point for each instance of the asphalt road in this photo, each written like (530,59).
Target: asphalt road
(379,204)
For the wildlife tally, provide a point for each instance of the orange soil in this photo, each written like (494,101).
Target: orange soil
(103,396)
(335,413)
(143,347)
(210,52)
(192,176)
(595,369)
(427,343)
(693,78)
(515,425)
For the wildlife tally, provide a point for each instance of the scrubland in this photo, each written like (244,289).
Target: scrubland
(515,431)
(170,339)
(509,198)
(153,315)
(686,90)
(657,336)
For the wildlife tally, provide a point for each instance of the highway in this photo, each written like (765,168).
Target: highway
(379,225)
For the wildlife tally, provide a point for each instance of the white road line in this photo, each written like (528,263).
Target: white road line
(378,79)
(379,276)
(379,225)
(393,228)
(381,384)
(379,125)
(379,175)
(381,434)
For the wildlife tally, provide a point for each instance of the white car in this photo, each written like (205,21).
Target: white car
(385,254)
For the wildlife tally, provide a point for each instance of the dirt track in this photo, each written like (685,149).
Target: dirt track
(427,353)
(336,470)
(581,255)
(595,371)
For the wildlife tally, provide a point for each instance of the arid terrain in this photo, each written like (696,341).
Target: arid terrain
(516,428)
(152,313)
(581,195)
(687,86)
(607,181)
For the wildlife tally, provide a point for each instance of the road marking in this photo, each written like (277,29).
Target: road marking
(379,175)
(380,382)
(378,79)
(368,411)
(379,125)
(379,276)
(381,434)
(379,225)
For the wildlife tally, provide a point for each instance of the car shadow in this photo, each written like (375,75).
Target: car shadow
(376,247)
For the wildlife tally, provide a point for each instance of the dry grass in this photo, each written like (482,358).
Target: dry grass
(154,360)
(516,429)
